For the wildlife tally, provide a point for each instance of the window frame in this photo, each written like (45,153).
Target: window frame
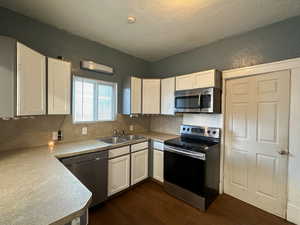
(97,82)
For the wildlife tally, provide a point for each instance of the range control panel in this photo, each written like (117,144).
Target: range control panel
(200,131)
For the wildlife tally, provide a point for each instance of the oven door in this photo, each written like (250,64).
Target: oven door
(184,170)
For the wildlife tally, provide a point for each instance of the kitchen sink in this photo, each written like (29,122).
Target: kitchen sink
(121,139)
(113,140)
(132,137)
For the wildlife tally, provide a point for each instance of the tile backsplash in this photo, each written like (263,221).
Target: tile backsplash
(171,124)
(166,124)
(24,133)
(207,120)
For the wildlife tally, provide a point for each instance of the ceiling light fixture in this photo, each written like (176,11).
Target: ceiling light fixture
(131,19)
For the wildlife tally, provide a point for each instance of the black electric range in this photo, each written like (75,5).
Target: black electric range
(192,165)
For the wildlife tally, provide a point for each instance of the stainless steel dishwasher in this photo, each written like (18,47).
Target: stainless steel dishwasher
(91,170)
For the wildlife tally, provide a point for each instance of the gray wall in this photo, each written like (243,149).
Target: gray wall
(271,43)
(54,42)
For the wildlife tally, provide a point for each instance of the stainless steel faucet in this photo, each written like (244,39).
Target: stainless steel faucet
(115,132)
(123,132)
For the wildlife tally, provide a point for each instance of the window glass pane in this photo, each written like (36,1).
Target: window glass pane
(105,102)
(78,85)
(93,100)
(88,101)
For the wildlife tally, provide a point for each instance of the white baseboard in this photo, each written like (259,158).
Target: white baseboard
(293,214)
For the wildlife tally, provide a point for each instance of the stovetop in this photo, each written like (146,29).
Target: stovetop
(191,144)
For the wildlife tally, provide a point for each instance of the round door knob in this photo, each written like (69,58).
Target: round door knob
(283,152)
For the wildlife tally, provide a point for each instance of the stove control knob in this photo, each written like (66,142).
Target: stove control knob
(214,132)
(188,129)
(208,131)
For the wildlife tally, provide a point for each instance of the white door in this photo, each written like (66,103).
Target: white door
(257,125)
(158,165)
(59,86)
(139,166)
(136,95)
(151,96)
(167,96)
(31,82)
(118,174)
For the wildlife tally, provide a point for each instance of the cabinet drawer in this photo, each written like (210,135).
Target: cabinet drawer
(118,151)
(158,145)
(139,146)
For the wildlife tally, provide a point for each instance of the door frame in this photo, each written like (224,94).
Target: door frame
(290,64)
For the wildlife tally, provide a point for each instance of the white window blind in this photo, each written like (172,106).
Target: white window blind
(94,100)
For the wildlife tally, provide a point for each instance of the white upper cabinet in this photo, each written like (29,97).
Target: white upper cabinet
(59,86)
(167,96)
(7,77)
(210,78)
(151,96)
(31,82)
(136,95)
(185,82)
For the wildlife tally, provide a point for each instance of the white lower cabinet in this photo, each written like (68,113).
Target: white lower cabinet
(118,174)
(158,165)
(139,166)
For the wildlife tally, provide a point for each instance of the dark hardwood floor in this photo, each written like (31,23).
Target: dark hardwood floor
(148,204)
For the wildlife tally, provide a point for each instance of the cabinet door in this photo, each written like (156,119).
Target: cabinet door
(185,82)
(7,76)
(151,96)
(59,86)
(205,79)
(118,174)
(139,166)
(31,82)
(167,96)
(158,165)
(136,95)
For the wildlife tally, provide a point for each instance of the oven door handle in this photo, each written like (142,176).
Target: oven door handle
(185,153)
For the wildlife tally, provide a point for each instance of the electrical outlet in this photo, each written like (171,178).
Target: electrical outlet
(59,135)
(54,136)
(84,131)
(131,128)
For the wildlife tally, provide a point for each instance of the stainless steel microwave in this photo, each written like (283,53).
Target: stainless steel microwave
(202,100)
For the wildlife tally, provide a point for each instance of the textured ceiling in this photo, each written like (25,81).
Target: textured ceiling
(163,27)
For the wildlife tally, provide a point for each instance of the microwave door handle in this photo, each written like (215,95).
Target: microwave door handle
(199,100)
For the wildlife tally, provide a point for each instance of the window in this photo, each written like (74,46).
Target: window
(94,100)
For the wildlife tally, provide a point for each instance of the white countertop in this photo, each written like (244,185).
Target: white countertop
(36,188)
